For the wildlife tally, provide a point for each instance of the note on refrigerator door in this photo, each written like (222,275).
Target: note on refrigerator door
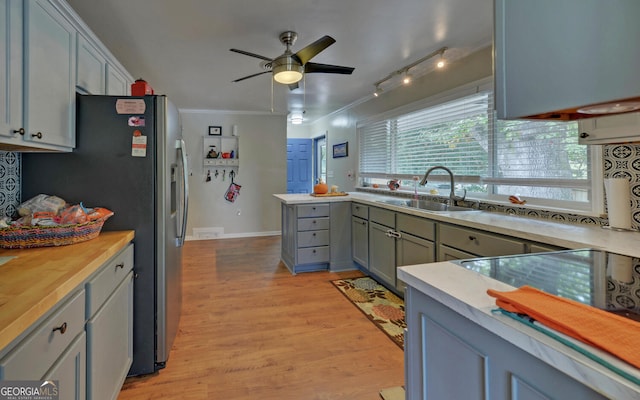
(139,146)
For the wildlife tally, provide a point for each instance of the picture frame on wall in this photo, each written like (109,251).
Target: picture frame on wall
(215,131)
(341,150)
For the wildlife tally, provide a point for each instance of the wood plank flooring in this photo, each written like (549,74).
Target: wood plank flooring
(251,330)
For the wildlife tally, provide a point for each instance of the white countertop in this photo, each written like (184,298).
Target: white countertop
(464,291)
(561,234)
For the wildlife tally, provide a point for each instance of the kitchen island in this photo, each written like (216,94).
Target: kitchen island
(451,326)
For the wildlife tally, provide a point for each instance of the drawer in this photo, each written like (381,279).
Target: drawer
(542,248)
(313,238)
(313,210)
(360,210)
(446,253)
(312,224)
(416,226)
(32,357)
(100,287)
(382,216)
(481,243)
(313,255)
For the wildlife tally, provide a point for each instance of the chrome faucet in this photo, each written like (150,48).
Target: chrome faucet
(452,196)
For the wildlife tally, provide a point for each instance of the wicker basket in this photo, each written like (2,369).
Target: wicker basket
(21,237)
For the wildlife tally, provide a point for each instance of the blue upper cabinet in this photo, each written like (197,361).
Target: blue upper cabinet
(46,52)
(91,68)
(555,57)
(11,70)
(50,76)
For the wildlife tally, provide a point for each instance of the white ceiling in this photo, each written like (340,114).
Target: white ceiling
(181,48)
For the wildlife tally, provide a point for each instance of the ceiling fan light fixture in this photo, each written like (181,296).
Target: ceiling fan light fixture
(286,70)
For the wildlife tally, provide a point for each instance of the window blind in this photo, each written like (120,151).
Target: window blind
(534,159)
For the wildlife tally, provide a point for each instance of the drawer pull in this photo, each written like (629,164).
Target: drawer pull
(121,265)
(313,208)
(62,328)
(314,221)
(473,238)
(314,252)
(314,234)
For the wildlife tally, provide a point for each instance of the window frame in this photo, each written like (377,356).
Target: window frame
(594,207)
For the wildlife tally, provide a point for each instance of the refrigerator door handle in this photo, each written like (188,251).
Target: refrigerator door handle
(182,225)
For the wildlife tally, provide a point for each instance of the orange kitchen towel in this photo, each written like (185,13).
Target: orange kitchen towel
(612,333)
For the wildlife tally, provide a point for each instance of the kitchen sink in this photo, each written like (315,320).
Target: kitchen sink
(425,205)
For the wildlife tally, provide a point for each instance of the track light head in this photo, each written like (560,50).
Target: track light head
(441,60)
(406,79)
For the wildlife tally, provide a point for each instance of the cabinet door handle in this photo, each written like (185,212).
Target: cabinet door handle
(314,252)
(20,131)
(121,265)
(584,135)
(314,234)
(313,208)
(364,222)
(62,328)
(314,221)
(38,135)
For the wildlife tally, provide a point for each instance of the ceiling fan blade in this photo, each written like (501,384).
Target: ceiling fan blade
(293,86)
(246,53)
(328,69)
(251,76)
(314,48)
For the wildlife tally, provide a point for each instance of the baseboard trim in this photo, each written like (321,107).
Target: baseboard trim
(236,235)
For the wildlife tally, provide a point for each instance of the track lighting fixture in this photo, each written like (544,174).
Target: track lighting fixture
(407,77)
(441,60)
(404,71)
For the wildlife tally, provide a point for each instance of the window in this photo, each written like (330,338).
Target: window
(540,161)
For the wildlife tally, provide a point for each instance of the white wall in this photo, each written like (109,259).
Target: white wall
(341,126)
(262,172)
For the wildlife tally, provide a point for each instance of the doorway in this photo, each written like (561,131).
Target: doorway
(320,164)
(299,165)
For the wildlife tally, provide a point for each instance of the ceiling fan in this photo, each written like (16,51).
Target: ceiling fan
(289,68)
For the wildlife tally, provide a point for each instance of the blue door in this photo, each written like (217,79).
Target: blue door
(299,164)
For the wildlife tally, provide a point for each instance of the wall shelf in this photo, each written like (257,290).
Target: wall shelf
(215,147)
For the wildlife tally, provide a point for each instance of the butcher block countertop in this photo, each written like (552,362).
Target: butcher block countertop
(36,279)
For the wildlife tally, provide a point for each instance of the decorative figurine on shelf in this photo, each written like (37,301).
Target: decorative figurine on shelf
(212,153)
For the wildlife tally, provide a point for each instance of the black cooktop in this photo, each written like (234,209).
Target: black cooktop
(601,279)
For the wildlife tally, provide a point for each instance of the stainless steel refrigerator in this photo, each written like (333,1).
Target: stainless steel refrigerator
(130,158)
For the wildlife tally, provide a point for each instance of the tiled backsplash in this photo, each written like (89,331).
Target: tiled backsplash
(619,161)
(10,172)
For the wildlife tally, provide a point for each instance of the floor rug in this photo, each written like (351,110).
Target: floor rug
(381,306)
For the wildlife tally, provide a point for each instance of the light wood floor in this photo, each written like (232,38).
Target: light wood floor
(251,330)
